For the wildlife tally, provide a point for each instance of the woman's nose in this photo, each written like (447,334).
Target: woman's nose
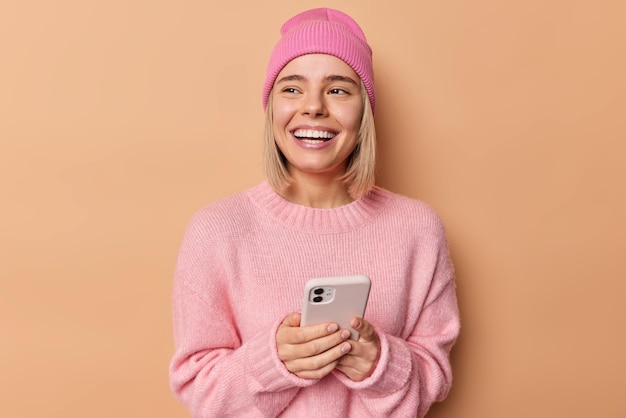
(314,105)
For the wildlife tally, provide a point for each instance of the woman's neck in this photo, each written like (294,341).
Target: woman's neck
(317,192)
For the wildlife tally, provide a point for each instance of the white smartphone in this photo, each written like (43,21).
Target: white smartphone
(335,299)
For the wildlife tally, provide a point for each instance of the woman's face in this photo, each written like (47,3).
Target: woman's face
(317,109)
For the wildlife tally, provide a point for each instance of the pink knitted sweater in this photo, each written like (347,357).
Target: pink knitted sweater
(242,268)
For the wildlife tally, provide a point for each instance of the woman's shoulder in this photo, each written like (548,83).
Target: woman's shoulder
(406,204)
(411,210)
(225,213)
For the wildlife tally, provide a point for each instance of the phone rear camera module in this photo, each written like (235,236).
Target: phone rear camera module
(318,291)
(317,298)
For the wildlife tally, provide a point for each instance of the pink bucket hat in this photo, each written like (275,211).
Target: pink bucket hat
(322,31)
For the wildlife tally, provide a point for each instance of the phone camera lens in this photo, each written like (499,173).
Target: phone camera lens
(318,299)
(318,291)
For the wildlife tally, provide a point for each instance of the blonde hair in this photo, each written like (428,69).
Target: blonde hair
(360,170)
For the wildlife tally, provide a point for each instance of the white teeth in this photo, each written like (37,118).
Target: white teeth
(310,133)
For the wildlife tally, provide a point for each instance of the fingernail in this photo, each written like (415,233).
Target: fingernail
(345,334)
(332,328)
(357,323)
(345,348)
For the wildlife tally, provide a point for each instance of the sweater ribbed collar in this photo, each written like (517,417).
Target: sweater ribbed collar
(316,220)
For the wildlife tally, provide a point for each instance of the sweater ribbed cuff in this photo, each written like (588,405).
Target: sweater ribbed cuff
(270,373)
(392,371)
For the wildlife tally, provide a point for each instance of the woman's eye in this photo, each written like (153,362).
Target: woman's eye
(338,91)
(290,90)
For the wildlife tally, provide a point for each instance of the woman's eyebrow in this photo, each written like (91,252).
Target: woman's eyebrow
(330,78)
(294,77)
(342,78)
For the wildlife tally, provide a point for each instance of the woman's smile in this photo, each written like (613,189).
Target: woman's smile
(312,138)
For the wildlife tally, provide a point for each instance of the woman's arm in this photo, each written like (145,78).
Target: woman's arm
(412,373)
(213,372)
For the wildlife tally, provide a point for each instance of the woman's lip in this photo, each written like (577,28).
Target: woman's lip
(318,128)
(313,133)
(313,143)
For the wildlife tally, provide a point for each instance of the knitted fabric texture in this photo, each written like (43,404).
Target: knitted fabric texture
(322,31)
(241,270)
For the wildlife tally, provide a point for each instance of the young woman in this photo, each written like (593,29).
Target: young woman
(244,260)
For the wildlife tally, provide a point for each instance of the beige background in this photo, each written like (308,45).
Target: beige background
(119,119)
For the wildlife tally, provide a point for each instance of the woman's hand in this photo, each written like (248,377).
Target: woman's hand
(361,361)
(311,352)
